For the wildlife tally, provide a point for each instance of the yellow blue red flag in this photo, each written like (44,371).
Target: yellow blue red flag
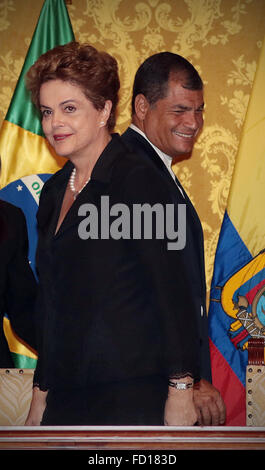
(237,306)
(26,159)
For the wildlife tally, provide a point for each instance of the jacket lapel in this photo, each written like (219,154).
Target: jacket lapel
(51,199)
(55,188)
(136,142)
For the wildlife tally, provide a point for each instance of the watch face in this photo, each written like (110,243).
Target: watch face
(181,386)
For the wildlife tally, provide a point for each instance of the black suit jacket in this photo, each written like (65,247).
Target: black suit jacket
(112,309)
(194,250)
(17,282)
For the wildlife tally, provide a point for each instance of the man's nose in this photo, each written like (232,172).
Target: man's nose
(194,120)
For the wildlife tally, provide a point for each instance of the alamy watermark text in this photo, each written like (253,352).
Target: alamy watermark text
(142,221)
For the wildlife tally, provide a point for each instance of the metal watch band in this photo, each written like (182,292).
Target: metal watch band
(180,385)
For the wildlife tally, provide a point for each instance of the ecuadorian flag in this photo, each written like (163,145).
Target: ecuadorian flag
(237,305)
(26,159)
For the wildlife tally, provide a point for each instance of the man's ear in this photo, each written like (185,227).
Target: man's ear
(141,106)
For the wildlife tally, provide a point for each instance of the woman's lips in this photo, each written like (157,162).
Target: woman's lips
(59,137)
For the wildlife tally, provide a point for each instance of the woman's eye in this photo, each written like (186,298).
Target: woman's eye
(70,109)
(46,112)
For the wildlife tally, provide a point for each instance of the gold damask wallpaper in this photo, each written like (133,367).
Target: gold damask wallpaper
(222,38)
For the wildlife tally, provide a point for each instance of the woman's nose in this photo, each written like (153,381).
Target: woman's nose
(57,119)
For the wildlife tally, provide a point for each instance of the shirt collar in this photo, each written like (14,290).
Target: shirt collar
(164,157)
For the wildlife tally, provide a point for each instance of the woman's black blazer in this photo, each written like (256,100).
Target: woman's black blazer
(113,309)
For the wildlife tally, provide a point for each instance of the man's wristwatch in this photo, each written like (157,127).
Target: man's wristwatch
(180,385)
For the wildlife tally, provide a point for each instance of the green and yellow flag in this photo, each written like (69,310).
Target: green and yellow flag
(26,159)
(23,149)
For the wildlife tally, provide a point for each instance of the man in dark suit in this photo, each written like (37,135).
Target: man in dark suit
(167,115)
(17,282)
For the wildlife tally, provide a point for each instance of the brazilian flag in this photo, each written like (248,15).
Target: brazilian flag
(27,161)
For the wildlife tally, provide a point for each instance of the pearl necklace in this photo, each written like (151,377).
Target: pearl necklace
(72,183)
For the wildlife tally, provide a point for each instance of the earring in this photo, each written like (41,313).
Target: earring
(102,123)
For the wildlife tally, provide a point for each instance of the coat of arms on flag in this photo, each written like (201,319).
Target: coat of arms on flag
(237,307)
(243,300)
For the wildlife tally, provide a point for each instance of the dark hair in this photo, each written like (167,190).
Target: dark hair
(152,76)
(81,64)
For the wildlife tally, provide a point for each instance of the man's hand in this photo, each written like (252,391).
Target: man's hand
(209,404)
